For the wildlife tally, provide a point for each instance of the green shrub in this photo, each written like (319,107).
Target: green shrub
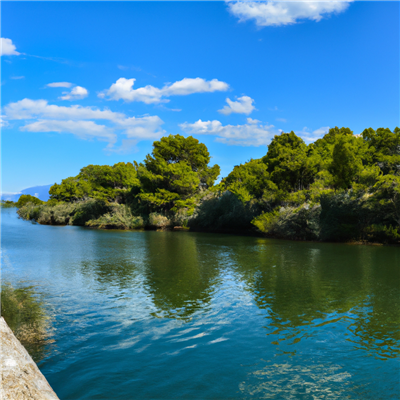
(300,223)
(27,198)
(345,215)
(7,204)
(89,210)
(224,212)
(30,211)
(157,220)
(120,217)
(24,313)
(383,234)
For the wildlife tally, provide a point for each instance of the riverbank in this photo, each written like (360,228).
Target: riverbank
(21,378)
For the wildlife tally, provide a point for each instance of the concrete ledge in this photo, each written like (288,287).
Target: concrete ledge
(21,379)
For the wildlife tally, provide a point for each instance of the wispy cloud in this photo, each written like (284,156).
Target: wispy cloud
(253,133)
(243,105)
(17,77)
(59,84)
(278,13)
(122,89)
(7,48)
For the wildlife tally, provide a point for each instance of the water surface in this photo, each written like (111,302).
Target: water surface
(168,315)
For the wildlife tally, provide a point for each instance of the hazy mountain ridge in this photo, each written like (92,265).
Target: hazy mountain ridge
(41,192)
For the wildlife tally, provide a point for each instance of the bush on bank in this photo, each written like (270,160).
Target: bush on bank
(24,313)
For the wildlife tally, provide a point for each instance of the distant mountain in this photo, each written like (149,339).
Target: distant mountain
(41,192)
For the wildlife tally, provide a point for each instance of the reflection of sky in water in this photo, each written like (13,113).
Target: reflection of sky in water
(176,314)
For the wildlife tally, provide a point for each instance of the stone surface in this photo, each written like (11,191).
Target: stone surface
(21,379)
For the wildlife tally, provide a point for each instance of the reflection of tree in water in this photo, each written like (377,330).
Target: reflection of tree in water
(300,284)
(179,280)
(115,259)
(377,325)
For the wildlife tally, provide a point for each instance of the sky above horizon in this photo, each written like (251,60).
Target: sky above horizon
(97,82)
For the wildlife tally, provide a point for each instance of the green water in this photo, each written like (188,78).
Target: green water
(168,315)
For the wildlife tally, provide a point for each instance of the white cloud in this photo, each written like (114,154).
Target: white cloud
(198,85)
(82,129)
(7,48)
(28,109)
(122,89)
(60,84)
(80,121)
(3,122)
(251,134)
(77,93)
(276,13)
(243,105)
(310,137)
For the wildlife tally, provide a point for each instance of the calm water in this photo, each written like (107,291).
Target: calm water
(168,315)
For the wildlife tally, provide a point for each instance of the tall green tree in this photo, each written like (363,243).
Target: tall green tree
(384,148)
(288,163)
(346,161)
(176,170)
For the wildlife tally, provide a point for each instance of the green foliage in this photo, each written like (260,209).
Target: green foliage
(24,313)
(27,198)
(157,220)
(386,196)
(343,187)
(346,161)
(223,212)
(288,164)
(176,170)
(7,204)
(384,148)
(89,210)
(300,223)
(250,180)
(120,217)
(101,182)
(30,211)
(383,234)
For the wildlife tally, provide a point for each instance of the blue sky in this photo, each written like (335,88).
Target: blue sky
(97,82)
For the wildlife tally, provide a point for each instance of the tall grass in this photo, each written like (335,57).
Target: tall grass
(24,313)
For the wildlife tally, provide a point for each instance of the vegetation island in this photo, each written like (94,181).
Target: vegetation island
(343,187)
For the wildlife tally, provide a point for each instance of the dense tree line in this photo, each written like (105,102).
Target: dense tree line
(343,187)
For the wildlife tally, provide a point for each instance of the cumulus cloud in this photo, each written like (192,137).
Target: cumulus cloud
(122,89)
(81,122)
(276,13)
(60,84)
(310,137)
(251,134)
(243,105)
(77,93)
(7,48)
